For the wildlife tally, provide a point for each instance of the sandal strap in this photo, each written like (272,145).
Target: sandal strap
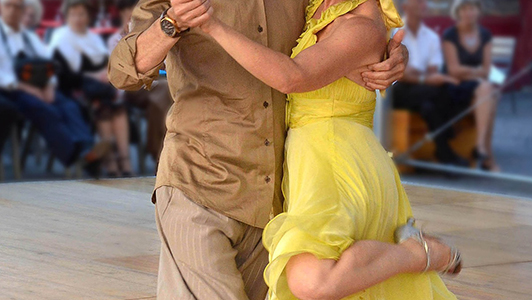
(427,250)
(454,261)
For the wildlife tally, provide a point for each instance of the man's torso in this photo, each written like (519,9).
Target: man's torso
(225,141)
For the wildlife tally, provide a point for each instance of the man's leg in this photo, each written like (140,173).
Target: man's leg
(433,104)
(203,252)
(72,117)
(251,260)
(50,124)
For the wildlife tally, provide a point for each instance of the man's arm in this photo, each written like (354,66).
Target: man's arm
(432,77)
(350,46)
(411,76)
(139,56)
(123,72)
(382,75)
(459,71)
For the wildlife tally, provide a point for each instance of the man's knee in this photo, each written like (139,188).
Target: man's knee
(484,88)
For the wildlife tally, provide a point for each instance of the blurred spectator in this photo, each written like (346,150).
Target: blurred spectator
(33,14)
(8,118)
(58,118)
(125,8)
(468,47)
(422,88)
(155,102)
(83,57)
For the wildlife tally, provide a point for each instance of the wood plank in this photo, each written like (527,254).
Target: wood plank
(509,281)
(98,240)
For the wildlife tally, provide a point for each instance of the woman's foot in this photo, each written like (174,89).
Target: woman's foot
(125,166)
(111,166)
(430,253)
(485,162)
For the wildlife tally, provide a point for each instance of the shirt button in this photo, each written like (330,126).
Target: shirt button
(268,179)
(266,104)
(267,143)
(260,29)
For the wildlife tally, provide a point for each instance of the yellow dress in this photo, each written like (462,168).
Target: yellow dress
(340,184)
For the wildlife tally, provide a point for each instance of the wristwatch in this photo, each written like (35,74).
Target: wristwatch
(170,27)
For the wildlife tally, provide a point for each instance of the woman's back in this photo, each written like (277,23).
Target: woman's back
(344,98)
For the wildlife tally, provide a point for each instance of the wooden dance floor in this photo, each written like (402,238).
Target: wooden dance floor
(97,240)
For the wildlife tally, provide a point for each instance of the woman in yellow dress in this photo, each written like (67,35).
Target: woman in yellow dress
(344,199)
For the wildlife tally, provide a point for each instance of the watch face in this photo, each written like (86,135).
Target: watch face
(168,28)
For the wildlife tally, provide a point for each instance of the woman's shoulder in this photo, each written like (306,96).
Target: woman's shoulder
(59,35)
(450,34)
(485,34)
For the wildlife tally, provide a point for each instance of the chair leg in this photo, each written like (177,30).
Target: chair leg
(27,145)
(141,158)
(141,148)
(2,176)
(17,170)
(39,149)
(78,170)
(68,173)
(514,103)
(50,163)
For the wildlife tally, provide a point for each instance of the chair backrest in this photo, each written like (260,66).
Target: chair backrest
(503,52)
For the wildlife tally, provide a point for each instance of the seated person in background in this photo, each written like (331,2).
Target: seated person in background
(155,102)
(467,47)
(83,57)
(33,14)
(422,88)
(58,118)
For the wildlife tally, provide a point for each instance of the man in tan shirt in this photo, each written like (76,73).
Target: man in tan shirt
(219,176)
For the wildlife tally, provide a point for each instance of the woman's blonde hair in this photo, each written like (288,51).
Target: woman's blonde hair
(457,4)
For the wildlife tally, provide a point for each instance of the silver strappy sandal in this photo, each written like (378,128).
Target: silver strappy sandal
(408,231)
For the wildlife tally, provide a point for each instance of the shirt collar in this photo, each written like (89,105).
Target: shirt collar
(8,29)
(421,30)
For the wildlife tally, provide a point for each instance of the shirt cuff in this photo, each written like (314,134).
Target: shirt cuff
(124,61)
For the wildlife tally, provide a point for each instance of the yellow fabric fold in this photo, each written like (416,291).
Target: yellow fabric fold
(339,183)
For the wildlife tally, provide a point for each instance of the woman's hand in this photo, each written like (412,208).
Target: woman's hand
(190,13)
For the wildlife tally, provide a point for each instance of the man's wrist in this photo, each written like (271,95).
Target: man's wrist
(170,25)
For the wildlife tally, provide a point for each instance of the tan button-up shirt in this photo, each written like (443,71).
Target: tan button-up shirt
(225,140)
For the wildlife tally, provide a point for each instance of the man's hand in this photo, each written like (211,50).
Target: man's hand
(382,75)
(438,79)
(190,13)
(31,90)
(49,94)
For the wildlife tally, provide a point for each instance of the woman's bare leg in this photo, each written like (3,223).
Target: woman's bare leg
(105,131)
(485,119)
(483,115)
(120,127)
(363,265)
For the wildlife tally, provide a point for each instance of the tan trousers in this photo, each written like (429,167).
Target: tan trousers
(206,255)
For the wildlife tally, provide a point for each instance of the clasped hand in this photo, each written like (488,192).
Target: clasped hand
(191,13)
